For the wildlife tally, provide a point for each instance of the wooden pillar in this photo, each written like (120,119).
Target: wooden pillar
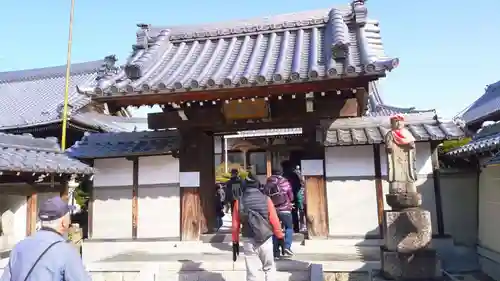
(207,182)
(269,166)
(31,213)
(197,202)
(436,174)
(135,195)
(378,187)
(90,209)
(315,185)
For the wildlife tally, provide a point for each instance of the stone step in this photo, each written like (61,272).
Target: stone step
(227,237)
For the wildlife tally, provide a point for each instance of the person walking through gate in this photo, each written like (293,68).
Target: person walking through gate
(294,180)
(46,256)
(254,212)
(279,190)
(232,190)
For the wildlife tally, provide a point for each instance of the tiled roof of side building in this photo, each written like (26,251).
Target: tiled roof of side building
(112,145)
(35,96)
(297,47)
(485,141)
(372,129)
(24,153)
(487,104)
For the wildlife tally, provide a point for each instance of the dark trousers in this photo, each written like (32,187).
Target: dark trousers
(295,220)
(287,224)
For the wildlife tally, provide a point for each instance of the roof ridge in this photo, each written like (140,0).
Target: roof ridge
(49,72)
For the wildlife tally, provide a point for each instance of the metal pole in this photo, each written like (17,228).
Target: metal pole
(66,86)
(225,155)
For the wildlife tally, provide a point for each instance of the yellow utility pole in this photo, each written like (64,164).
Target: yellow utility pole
(66,87)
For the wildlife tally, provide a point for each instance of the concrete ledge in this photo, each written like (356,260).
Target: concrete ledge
(228,265)
(489,261)
(97,251)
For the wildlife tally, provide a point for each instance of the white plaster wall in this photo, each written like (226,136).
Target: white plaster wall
(459,193)
(159,193)
(13,215)
(112,213)
(113,172)
(348,161)
(489,208)
(423,161)
(352,207)
(351,194)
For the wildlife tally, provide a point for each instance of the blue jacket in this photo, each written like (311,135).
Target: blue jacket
(61,262)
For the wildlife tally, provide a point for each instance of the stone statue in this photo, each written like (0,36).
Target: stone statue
(401,170)
(406,253)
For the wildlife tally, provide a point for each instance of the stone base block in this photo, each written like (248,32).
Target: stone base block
(401,201)
(420,265)
(407,231)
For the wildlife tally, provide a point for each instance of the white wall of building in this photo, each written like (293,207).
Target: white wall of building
(13,213)
(489,222)
(159,197)
(112,209)
(350,189)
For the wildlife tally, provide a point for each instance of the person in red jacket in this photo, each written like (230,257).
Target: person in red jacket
(256,215)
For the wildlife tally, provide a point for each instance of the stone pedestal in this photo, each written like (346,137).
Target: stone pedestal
(406,254)
(419,265)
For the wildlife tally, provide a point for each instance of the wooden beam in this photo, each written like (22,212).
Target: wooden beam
(379,188)
(31,213)
(135,194)
(284,114)
(362,100)
(152,98)
(436,174)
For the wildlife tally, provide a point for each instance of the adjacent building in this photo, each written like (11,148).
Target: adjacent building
(483,151)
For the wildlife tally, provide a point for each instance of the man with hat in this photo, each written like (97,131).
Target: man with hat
(46,255)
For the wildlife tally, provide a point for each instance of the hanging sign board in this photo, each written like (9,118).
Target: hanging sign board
(246,109)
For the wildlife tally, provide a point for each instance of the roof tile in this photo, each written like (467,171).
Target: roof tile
(487,104)
(254,52)
(35,96)
(24,153)
(109,145)
(369,130)
(486,140)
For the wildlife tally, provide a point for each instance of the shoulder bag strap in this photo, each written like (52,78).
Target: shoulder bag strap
(36,262)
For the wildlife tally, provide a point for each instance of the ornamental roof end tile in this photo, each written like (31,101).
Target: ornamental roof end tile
(340,42)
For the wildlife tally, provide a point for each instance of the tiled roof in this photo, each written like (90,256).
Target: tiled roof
(486,140)
(487,104)
(108,145)
(108,123)
(494,161)
(369,130)
(24,153)
(35,96)
(307,46)
(377,107)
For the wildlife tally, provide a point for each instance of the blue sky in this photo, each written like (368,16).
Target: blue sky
(449,50)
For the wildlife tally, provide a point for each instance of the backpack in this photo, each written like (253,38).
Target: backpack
(260,227)
(275,189)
